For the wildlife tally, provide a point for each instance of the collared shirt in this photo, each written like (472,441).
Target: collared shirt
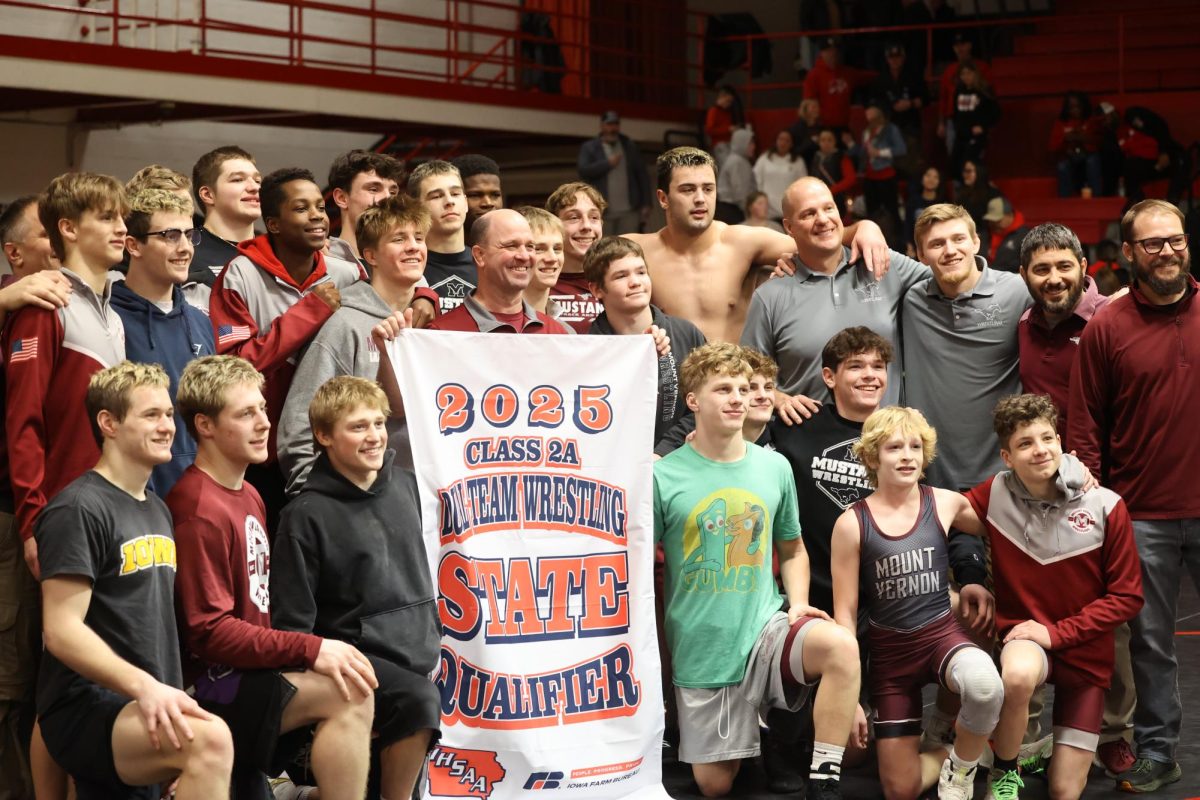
(1048,354)
(960,358)
(790,319)
(472,316)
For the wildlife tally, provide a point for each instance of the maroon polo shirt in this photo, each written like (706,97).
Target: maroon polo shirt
(472,317)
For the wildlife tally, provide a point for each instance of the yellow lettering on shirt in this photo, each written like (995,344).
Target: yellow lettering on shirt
(145,552)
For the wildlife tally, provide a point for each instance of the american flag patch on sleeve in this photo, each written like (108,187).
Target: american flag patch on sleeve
(227,334)
(23,350)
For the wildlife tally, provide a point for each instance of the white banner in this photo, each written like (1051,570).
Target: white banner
(533,457)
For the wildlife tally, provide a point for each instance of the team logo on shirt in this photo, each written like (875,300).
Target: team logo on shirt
(451,292)
(258,564)
(146,552)
(725,539)
(839,475)
(869,293)
(1082,521)
(993,316)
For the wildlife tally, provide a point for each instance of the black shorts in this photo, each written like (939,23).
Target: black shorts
(405,702)
(78,734)
(251,703)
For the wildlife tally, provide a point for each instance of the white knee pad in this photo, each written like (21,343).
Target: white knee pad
(974,677)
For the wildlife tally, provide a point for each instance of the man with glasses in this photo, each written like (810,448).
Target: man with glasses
(1131,422)
(160,327)
(503,253)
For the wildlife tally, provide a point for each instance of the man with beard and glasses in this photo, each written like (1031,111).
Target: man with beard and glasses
(1132,391)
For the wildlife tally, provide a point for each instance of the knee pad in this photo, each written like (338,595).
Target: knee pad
(973,675)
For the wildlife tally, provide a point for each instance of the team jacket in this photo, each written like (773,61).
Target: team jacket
(260,313)
(1070,564)
(49,357)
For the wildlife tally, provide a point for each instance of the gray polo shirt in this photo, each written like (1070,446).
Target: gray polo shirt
(791,319)
(961,357)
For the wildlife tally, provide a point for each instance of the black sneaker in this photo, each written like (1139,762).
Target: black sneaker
(823,789)
(781,760)
(1148,775)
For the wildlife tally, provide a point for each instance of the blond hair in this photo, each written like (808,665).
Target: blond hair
(542,221)
(204,383)
(563,197)
(940,212)
(338,396)
(146,202)
(110,390)
(156,176)
(714,358)
(71,194)
(381,219)
(882,425)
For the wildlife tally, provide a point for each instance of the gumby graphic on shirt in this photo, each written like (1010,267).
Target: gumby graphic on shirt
(723,542)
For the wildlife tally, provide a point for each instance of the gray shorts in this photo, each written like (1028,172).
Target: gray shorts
(722,724)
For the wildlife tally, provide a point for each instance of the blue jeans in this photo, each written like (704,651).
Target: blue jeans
(1078,171)
(1166,548)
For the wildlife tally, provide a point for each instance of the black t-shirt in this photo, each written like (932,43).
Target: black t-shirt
(212,254)
(453,276)
(829,479)
(125,547)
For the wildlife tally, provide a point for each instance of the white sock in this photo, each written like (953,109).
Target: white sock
(826,754)
(961,764)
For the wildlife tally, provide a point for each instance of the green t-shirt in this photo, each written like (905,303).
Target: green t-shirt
(718,523)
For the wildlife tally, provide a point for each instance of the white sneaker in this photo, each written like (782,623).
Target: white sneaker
(956,784)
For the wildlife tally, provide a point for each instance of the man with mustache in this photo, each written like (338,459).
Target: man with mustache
(1131,422)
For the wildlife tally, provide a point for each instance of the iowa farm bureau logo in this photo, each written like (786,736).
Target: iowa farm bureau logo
(543,780)
(458,772)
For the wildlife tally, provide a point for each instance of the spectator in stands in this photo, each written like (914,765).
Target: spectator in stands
(776,170)
(975,113)
(358,180)
(1008,231)
(900,91)
(1150,155)
(832,83)
(548,260)
(581,209)
(450,270)
(963,54)
(272,299)
(723,117)
(921,196)
(1107,268)
(481,184)
(882,143)
(805,130)
(835,168)
(756,212)
(973,191)
(1075,140)
(392,238)
(613,164)
(160,326)
(381,569)
(1108,126)
(913,12)
(226,182)
(736,178)
(503,253)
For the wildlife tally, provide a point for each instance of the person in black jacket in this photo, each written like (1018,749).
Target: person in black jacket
(975,114)
(613,164)
(366,583)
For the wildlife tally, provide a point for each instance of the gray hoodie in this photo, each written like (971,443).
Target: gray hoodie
(736,179)
(343,346)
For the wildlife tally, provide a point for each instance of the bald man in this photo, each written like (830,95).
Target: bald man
(706,271)
(503,254)
(791,318)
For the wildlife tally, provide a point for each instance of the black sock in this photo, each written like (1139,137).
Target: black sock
(1004,764)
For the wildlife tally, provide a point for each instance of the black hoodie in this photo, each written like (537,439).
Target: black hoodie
(350,564)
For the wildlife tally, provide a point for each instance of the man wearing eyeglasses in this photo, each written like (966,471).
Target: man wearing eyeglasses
(1131,421)
(160,326)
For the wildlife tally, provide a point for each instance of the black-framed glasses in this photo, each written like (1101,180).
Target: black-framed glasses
(172,235)
(1154,245)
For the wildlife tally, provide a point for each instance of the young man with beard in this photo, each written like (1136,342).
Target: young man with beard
(110,700)
(1066,573)
(274,297)
(359,179)
(367,584)
(721,504)
(450,270)
(226,183)
(706,271)
(1132,422)
(581,208)
(481,185)
(264,683)
(160,326)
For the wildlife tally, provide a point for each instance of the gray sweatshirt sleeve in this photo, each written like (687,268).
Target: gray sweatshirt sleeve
(294,442)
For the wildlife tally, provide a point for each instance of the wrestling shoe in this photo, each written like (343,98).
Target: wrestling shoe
(780,759)
(956,784)
(1035,756)
(824,788)
(1116,757)
(1148,775)
(1004,785)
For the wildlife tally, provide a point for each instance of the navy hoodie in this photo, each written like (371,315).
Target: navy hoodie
(170,340)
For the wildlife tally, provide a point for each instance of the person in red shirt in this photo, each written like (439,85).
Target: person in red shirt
(1066,573)
(262,682)
(722,118)
(831,83)
(581,208)
(503,253)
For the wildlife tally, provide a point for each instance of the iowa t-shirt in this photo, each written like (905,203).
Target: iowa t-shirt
(718,523)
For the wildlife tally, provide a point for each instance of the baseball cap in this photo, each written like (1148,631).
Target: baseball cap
(997,209)
(1107,107)
(610,117)
(894,49)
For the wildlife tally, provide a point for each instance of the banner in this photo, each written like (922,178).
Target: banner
(533,457)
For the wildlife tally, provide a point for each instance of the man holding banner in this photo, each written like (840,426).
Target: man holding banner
(722,506)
